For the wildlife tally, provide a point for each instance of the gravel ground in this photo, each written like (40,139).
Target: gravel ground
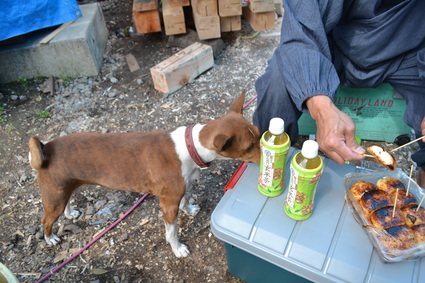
(118,100)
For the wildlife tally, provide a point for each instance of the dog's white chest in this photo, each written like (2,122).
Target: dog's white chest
(190,170)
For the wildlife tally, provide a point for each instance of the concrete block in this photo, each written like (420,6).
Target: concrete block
(76,51)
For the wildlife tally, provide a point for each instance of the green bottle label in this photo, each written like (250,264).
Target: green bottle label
(299,202)
(271,181)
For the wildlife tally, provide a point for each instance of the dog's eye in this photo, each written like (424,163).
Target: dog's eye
(250,148)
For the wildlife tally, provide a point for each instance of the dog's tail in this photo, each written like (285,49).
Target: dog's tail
(36,155)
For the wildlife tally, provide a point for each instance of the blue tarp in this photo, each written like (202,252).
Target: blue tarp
(19,17)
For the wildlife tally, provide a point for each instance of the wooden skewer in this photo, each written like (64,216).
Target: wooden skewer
(419,205)
(410,178)
(397,148)
(395,201)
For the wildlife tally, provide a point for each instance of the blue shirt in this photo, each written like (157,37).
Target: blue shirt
(353,42)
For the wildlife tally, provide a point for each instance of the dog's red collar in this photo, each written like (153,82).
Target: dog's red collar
(191,148)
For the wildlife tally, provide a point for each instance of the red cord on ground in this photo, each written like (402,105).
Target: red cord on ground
(93,241)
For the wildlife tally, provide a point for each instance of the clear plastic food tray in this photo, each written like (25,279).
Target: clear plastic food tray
(388,255)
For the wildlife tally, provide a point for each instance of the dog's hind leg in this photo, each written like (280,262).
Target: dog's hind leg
(170,209)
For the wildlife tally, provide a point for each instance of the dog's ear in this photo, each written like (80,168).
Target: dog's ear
(237,105)
(222,142)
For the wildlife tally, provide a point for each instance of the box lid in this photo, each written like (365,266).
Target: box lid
(328,247)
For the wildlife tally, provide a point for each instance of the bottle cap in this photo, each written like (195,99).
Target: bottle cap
(276,126)
(310,149)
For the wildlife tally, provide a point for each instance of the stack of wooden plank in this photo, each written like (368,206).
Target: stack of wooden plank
(211,17)
(260,14)
(230,12)
(205,16)
(173,15)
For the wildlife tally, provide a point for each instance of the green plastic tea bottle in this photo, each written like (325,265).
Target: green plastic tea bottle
(274,149)
(305,170)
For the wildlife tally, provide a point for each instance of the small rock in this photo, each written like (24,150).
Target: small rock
(90,210)
(23,178)
(113,80)
(113,93)
(139,81)
(73,228)
(99,204)
(65,245)
(128,262)
(39,235)
(14,97)
(32,230)
(124,237)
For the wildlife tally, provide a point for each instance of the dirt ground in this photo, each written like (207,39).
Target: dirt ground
(118,101)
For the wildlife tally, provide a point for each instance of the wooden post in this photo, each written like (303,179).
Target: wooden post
(207,21)
(173,15)
(227,8)
(232,23)
(259,21)
(260,6)
(175,3)
(147,22)
(145,5)
(146,16)
(182,68)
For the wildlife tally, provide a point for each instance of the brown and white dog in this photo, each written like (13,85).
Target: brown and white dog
(162,163)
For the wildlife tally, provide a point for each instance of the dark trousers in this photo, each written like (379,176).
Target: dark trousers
(274,100)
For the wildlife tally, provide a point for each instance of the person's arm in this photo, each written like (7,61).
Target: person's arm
(304,58)
(335,130)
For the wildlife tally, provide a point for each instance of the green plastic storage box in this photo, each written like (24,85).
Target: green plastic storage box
(377,112)
(264,245)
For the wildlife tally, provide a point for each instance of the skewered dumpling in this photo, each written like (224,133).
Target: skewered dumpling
(360,187)
(383,217)
(373,200)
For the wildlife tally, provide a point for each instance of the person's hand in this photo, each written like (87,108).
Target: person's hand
(335,130)
(423,129)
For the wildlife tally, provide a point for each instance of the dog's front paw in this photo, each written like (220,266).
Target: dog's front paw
(52,240)
(192,209)
(181,250)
